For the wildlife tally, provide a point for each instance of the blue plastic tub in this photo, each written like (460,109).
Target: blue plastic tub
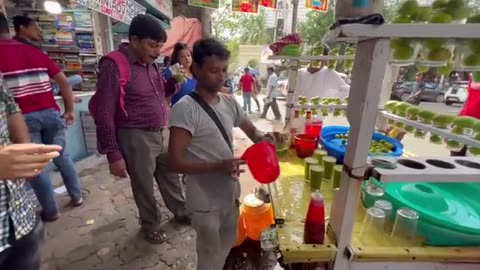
(335,148)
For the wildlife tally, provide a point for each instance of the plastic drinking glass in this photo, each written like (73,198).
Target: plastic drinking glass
(404,232)
(372,227)
(374,192)
(328,164)
(337,176)
(316,177)
(386,206)
(309,162)
(319,154)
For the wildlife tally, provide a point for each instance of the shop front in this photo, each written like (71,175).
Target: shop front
(75,39)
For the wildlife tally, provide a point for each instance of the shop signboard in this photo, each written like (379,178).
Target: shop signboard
(205,3)
(318,5)
(245,6)
(164,6)
(268,3)
(120,10)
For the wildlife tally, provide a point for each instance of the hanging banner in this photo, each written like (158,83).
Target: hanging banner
(164,6)
(120,10)
(268,3)
(245,6)
(215,4)
(318,5)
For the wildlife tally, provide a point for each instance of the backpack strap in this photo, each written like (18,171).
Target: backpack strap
(123,66)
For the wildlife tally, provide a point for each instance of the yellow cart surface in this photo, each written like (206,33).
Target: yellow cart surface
(290,197)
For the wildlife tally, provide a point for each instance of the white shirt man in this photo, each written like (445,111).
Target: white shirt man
(323,83)
(272,94)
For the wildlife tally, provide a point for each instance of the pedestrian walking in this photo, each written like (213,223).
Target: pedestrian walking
(272,93)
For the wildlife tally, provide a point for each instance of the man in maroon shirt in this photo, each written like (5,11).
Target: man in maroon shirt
(137,145)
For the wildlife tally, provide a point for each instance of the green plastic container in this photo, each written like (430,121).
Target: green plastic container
(449,212)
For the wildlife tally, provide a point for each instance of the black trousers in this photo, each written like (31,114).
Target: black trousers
(24,253)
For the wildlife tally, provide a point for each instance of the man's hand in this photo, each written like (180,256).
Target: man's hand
(26,160)
(118,168)
(69,118)
(232,166)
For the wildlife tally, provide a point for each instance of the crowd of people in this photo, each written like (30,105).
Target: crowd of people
(150,124)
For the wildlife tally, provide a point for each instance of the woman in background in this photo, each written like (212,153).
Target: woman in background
(183,56)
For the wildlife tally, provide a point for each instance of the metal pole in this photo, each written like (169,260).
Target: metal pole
(275,23)
(293,66)
(294,16)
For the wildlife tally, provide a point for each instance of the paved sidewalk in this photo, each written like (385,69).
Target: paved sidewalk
(103,234)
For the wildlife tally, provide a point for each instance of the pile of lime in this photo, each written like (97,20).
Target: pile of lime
(303,100)
(333,63)
(291,50)
(380,147)
(471,57)
(376,147)
(444,11)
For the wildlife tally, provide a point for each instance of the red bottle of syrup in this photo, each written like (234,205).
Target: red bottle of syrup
(314,231)
(313,125)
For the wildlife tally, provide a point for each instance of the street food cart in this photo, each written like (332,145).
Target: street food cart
(290,194)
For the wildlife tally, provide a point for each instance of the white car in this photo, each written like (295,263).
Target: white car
(456,94)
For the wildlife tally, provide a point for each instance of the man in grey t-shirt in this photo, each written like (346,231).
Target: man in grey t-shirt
(198,150)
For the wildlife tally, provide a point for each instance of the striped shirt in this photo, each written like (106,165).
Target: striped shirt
(27,72)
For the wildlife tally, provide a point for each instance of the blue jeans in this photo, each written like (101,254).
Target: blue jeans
(74,80)
(247,102)
(48,127)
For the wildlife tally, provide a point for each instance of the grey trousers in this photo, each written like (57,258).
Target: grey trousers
(216,233)
(275,109)
(145,153)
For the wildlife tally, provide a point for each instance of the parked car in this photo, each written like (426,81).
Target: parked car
(456,93)
(432,92)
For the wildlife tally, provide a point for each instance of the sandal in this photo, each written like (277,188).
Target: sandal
(156,237)
(46,218)
(76,203)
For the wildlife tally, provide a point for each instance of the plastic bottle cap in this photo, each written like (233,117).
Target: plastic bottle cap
(252,201)
(317,196)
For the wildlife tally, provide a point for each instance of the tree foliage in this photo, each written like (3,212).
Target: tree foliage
(247,28)
(317,24)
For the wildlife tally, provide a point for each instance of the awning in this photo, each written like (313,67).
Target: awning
(162,9)
(122,28)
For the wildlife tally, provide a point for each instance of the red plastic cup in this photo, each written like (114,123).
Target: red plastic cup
(262,161)
(305,145)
